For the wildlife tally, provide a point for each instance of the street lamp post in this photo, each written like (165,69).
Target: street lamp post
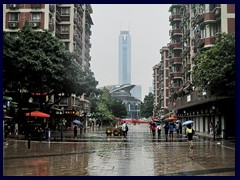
(30,100)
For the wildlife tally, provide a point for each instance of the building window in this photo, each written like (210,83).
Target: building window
(175,11)
(65,11)
(65,29)
(176,25)
(36,17)
(63,101)
(13,16)
(212,29)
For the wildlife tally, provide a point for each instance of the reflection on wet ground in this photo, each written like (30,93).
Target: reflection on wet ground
(95,154)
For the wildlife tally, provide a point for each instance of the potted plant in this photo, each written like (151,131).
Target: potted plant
(115,131)
(109,131)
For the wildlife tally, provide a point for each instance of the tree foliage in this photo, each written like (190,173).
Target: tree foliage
(215,67)
(118,108)
(36,61)
(106,108)
(147,106)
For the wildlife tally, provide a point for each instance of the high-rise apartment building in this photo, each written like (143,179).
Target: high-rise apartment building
(193,31)
(124,66)
(161,82)
(71,23)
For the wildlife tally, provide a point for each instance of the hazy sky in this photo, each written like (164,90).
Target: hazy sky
(149,29)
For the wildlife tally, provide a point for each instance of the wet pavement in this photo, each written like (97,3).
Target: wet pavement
(95,154)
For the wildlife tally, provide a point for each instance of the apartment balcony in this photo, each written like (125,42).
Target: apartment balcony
(209,16)
(65,18)
(174,17)
(176,60)
(176,32)
(176,75)
(209,41)
(176,45)
(61,35)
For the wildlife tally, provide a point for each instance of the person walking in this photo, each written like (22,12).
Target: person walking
(166,128)
(189,131)
(153,128)
(81,128)
(171,129)
(75,131)
(124,129)
(159,129)
(177,129)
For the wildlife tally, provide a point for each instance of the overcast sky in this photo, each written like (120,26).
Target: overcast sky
(149,29)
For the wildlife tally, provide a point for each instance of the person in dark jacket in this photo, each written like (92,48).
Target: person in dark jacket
(166,128)
(75,131)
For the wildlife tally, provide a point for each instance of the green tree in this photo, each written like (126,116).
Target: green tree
(105,107)
(215,67)
(147,106)
(36,61)
(33,62)
(118,108)
(102,110)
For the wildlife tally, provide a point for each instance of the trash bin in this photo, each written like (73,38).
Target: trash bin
(225,135)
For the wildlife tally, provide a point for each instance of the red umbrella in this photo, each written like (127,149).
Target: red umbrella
(38,114)
(172,118)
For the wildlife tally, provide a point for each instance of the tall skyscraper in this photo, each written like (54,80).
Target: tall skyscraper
(124,72)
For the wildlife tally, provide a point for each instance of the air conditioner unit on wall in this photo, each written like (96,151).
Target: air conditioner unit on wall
(13,5)
(13,25)
(35,24)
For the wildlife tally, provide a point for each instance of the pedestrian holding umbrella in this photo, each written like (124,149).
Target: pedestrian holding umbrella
(189,131)
(187,122)
(77,121)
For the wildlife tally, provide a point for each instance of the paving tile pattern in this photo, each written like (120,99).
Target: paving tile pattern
(95,154)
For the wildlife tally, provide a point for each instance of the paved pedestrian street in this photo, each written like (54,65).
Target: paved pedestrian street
(95,154)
